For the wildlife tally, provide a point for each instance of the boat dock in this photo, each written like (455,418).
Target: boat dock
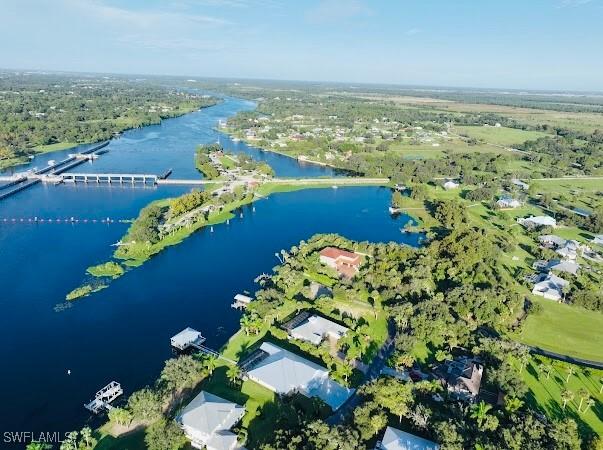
(241,301)
(104,397)
(187,338)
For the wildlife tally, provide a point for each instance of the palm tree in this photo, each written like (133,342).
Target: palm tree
(544,367)
(345,371)
(589,403)
(571,370)
(479,412)
(566,396)
(233,373)
(583,394)
(210,362)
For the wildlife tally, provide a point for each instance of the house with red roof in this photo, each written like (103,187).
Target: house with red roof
(344,262)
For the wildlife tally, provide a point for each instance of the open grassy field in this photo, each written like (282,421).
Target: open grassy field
(586,122)
(499,135)
(55,147)
(545,392)
(564,329)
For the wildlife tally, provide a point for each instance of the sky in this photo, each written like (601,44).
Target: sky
(519,44)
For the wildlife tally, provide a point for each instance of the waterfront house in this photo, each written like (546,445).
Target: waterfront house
(537,222)
(284,372)
(207,421)
(344,262)
(314,329)
(550,287)
(394,439)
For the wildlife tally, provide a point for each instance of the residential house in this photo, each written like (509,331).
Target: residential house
(394,439)
(450,184)
(537,221)
(550,287)
(508,202)
(207,421)
(551,241)
(598,239)
(569,250)
(344,262)
(463,377)
(314,329)
(520,184)
(284,372)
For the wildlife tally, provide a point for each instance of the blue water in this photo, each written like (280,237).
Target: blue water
(122,333)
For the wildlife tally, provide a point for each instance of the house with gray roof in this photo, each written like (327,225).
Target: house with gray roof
(552,241)
(550,287)
(315,329)
(463,377)
(207,421)
(284,372)
(394,439)
(537,221)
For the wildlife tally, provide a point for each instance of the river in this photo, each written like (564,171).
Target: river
(122,333)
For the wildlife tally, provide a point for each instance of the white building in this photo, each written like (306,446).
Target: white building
(508,202)
(207,420)
(284,372)
(394,439)
(315,329)
(450,185)
(537,221)
(551,287)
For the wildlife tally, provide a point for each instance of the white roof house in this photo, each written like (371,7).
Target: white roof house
(450,184)
(207,420)
(520,184)
(315,328)
(537,221)
(563,266)
(551,287)
(598,239)
(552,240)
(284,372)
(395,439)
(569,250)
(508,202)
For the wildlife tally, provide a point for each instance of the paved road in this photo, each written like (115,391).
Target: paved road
(373,373)
(569,359)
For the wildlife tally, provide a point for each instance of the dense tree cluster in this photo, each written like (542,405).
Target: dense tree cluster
(46,109)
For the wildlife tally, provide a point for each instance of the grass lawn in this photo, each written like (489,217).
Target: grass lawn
(54,147)
(545,393)
(564,329)
(130,441)
(499,135)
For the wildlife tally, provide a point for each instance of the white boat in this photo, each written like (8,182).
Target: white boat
(235,139)
(52,162)
(393,210)
(334,186)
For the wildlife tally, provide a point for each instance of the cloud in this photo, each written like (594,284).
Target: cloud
(140,18)
(572,3)
(337,11)
(412,31)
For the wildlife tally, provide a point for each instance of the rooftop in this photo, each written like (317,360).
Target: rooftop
(315,328)
(395,439)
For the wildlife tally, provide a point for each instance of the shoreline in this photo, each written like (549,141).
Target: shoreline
(62,146)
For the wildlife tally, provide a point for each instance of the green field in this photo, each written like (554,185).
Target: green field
(565,329)
(55,147)
(545,393)
(499,135)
